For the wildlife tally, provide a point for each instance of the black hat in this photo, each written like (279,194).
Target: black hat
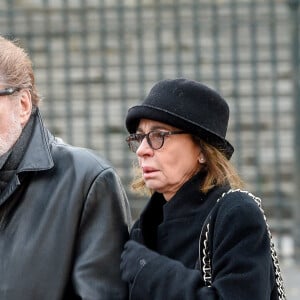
(188,105)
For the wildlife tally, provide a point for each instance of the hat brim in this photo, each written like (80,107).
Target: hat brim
(138,112)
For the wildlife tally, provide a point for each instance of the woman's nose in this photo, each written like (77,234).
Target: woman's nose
(144,148)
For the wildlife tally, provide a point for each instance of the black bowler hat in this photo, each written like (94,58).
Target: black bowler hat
(188,105)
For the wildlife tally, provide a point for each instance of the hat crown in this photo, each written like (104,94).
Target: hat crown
(192,101)
(188,105)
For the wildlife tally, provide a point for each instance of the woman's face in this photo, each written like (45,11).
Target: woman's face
(165,170)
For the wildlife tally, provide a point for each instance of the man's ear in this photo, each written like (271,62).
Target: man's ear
(26,106)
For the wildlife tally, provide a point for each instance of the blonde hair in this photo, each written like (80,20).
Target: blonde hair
(16,68)
(218,171)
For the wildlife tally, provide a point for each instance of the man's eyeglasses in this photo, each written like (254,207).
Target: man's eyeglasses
(155,139)
(9,91)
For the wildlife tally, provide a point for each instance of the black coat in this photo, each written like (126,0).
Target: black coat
(242,264)
(64,220)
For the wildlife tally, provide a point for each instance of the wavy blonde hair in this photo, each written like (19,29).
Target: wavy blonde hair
(219,171)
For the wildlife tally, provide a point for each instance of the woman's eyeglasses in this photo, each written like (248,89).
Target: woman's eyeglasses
(9,91)
(155,139)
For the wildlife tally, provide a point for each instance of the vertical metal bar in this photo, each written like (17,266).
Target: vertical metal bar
(140,46)
(255,94)
(104,70)
(49,67)
(67,72)
(177,37)
(86,81)
(123,62)
(197,39)
(275,118)
(295,65)
(10,18)
(216,44)
(236,83)
(158,38)
(139,9)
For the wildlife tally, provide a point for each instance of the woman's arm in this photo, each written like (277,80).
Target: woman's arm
(241,261)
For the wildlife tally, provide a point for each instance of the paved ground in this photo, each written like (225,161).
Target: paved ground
(291,278)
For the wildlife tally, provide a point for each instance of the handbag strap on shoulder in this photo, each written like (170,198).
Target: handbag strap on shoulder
(205,256)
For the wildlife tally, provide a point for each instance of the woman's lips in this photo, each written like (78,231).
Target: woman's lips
(148,171)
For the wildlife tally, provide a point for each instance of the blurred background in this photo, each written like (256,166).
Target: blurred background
(94,59)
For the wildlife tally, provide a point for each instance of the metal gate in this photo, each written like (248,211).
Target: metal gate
(94,59)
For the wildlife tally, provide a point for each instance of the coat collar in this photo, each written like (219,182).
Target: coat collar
(187,201)
(37,156)
(183,203)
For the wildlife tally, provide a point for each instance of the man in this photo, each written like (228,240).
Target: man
(64,216)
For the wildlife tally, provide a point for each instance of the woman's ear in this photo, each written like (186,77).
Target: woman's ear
(201,159)
(26,106)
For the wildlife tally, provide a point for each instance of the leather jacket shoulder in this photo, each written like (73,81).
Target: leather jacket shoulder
(66,229)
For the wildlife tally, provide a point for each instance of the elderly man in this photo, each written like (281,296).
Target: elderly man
(64,216)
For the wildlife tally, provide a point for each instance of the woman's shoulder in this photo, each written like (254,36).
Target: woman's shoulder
(239,205)
(239,198)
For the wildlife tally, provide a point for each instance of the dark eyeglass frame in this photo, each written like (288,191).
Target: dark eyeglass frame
(9,91)
(134,140)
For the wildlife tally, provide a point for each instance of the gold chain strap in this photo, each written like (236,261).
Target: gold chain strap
(206,260)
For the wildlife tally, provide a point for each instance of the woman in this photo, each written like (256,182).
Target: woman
(178,134)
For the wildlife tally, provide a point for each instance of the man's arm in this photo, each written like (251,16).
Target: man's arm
(102,233)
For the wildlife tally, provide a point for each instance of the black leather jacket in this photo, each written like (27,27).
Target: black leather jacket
(63,221)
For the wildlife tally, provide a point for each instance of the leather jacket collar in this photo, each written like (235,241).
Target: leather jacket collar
(37,156)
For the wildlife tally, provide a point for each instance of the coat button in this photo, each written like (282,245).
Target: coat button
(142,262)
